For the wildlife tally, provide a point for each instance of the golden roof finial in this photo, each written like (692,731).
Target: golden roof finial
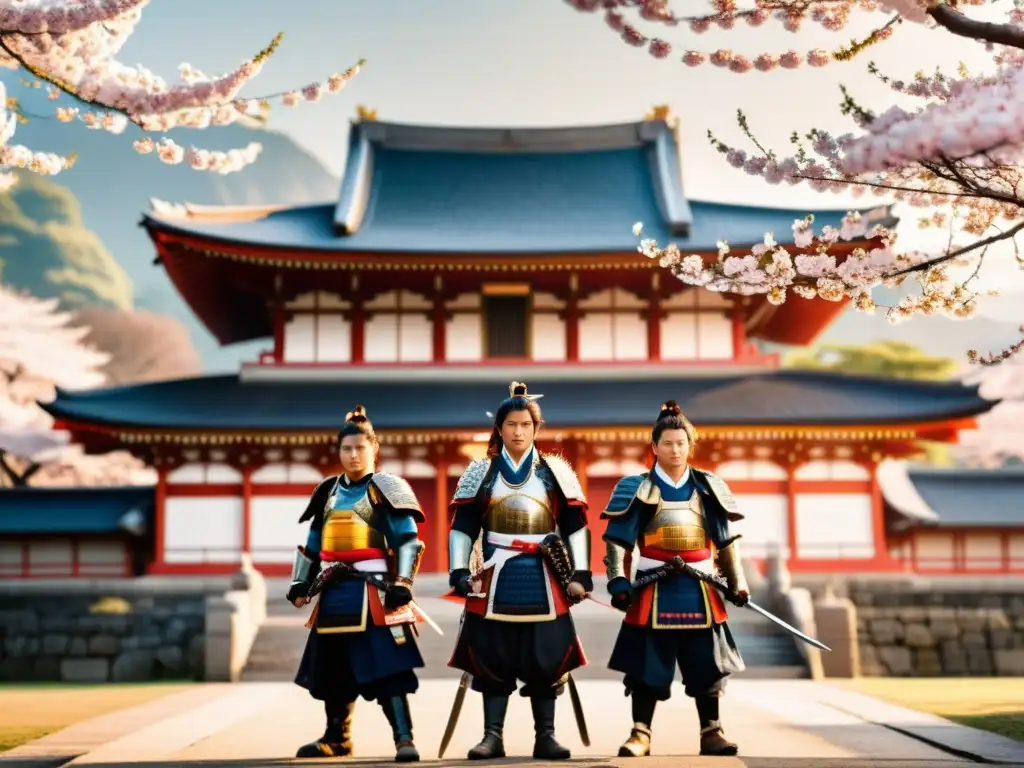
(365,114)
(663,113)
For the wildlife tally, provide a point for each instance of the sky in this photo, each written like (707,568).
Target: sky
(542,63)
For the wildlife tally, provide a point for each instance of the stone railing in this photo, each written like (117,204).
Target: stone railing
(120,630)
(232,623)
(793,605)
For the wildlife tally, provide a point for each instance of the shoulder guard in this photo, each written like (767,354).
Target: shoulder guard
(638,487)
(318,499)
(565,477)
(398,494)
(722,494)
(472,479)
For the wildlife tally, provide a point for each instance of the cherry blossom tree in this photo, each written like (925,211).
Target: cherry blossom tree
(38,352)
(71,47)
(999,436)
(957,155)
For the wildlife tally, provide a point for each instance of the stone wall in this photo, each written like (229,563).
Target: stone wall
(930,628)
(114,630)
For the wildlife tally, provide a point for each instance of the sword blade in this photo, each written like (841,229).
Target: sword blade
(793,630)
(577,709)
(453,718)
(423,615)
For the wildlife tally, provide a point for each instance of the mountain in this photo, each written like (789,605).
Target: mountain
(113,185)
(46,248)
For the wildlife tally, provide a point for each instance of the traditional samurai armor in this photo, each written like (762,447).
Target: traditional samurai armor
(517,626)
(679,620)
(362,639)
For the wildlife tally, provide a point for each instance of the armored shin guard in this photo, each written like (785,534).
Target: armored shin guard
(492,745)
(712,737)
(337,738)
(639,742)
(545,746)
(396,709)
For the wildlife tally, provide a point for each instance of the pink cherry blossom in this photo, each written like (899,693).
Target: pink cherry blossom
(73,46)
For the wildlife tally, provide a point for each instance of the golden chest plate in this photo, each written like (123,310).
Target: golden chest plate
(525,508)
(346,530)
(678,526)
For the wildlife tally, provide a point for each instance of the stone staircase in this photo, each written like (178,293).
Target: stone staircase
(277,650)
(768,650)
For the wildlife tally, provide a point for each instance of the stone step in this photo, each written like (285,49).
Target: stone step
(774,672)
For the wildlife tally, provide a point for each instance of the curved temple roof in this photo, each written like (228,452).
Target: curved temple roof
(955,497)
(785,398)
(419,189)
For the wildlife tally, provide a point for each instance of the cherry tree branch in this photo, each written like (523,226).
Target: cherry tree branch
(957,23)
(962,251)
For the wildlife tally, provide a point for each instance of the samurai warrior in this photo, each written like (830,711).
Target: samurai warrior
(674,510)
(516,624)
(363,533)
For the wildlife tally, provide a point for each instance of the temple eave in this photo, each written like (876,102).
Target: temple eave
(749,432)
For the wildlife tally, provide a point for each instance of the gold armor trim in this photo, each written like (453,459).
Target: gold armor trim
(731,566)
(469,484)
(395,490)
(678,526)
(615,560)
(723,494)
(521,509)
(565,477)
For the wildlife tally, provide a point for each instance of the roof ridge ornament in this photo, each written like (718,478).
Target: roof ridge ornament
(662,113)
(365,114)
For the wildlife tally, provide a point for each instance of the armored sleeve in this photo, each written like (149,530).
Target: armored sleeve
(466,519)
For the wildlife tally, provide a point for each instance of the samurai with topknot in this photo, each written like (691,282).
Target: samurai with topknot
(516,625)
(674,510)
(363,531)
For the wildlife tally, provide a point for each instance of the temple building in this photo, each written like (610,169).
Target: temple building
(456,260)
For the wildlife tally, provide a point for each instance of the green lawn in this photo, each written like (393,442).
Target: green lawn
(31,711)
(993,704)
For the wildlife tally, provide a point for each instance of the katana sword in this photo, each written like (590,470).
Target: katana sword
(678,565)
(453,718)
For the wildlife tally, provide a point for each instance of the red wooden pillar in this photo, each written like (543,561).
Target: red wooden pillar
(739,334)
(247,510)
(357,327)
(791,531)
(439,561)
(279,325)
(159,512)
(1005,565)
(440,321)
(572,326)
(878,532)
(654,315)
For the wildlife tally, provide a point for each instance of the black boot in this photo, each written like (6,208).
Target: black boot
(545,746)
(337,738)
(491,746)
(712,737)
(396,709)
(639,742)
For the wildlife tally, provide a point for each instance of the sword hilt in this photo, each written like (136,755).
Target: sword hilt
(717,583)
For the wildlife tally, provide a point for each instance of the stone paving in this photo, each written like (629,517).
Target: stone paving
(777,723)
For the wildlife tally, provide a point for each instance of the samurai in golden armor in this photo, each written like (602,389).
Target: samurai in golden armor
(673,511)
(516,626)
(361,556)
